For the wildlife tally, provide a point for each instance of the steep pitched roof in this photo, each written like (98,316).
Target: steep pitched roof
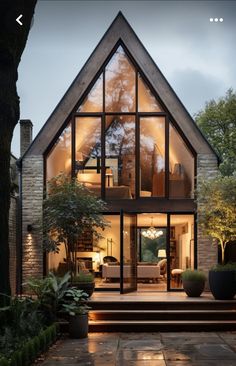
(120,30)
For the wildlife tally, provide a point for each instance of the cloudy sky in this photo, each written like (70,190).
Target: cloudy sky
(196,56)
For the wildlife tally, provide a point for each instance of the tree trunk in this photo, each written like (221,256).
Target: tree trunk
(13,38)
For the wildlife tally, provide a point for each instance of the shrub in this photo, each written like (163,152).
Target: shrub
(193,275)
(37,345)
(25,355)
(224,267)
(4,362)
(84,277)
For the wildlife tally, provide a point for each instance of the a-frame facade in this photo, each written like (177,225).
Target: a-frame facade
(123,132)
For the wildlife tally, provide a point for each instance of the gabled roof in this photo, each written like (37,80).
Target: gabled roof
(120,30)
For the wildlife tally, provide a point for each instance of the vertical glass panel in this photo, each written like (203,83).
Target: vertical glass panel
(129,282)
(181,247)
(181,176)
(120,83)
(146,100)
(59,159)
(94,100)
(88,152)
(152,157)
(120,157)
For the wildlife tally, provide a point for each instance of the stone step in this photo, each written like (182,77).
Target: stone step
(161,325)
(163,305)
(162,315)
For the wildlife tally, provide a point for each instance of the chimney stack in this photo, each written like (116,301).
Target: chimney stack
(26,128)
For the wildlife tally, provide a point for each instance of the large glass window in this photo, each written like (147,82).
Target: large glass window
(152,157)
(59,159)
(181,247)
(181,163)
(94,100)
(146,100)
(120,83)
(120,157)
(88,152)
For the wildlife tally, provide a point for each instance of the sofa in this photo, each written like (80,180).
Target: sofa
(145,271)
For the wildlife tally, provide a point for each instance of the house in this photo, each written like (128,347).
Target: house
(123,132)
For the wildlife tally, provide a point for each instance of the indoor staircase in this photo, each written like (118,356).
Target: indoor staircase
(155,316)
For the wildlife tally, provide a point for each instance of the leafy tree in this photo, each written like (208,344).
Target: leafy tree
(13,39)
(69,211)
(217,209)
(218,123)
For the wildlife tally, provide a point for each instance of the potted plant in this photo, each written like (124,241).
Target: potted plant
(85,282)
(193,282)
(216,215)
(222,280)
(77,309)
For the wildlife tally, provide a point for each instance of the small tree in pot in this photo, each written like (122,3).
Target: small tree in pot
(216,200)
(69,211)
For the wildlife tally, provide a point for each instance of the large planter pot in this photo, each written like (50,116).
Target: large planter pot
(87,287)
(78,326)
(222,284)
(193,288)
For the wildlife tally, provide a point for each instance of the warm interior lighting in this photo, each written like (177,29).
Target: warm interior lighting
(161,253)
(151,232)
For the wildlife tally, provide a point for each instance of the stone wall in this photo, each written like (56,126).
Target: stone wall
(207,253)
(13,243)
(32,199)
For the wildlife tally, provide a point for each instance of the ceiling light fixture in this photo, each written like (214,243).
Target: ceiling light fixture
(151,232)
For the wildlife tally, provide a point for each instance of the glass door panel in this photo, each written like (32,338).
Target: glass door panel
(181,247)
(128,253)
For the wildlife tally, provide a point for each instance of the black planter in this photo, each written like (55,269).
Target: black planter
(222,284)
(78,326)
(193,288)
(87,287)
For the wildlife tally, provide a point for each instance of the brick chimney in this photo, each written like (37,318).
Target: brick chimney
(26,128)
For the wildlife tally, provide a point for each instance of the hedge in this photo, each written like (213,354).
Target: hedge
(32,348)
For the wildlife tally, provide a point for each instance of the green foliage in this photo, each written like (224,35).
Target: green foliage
(69,211)
(25,355)
(193,275)
(76,302)
(83,277)
(218,123)
(37,345)
(224,267)
(4,362)
(50,292)
(216,200)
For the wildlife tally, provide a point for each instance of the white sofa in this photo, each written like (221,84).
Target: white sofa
(144,271)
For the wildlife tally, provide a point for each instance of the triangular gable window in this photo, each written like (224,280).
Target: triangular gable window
(146,100)
(120,83)
(94,100)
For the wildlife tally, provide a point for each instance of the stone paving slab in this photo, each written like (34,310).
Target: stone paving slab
(145,349)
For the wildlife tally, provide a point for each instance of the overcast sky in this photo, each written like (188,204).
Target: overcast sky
(196,56)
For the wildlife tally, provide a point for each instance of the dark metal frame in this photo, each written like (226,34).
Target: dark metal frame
(137,115)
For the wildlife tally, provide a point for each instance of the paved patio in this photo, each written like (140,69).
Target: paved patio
(145,349)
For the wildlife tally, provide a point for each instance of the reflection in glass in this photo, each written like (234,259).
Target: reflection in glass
(120,157)
(146,100)
(181,247)
(59,159)
(129,252)
(152,156)
(93,101)
(181,177)
(88,152)
(120,84)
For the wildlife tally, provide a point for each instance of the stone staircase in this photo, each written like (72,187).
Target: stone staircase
(155,316)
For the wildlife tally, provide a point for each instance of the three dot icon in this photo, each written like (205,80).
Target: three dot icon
(216,20)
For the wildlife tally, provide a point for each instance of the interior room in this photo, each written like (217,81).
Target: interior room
(102,257)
